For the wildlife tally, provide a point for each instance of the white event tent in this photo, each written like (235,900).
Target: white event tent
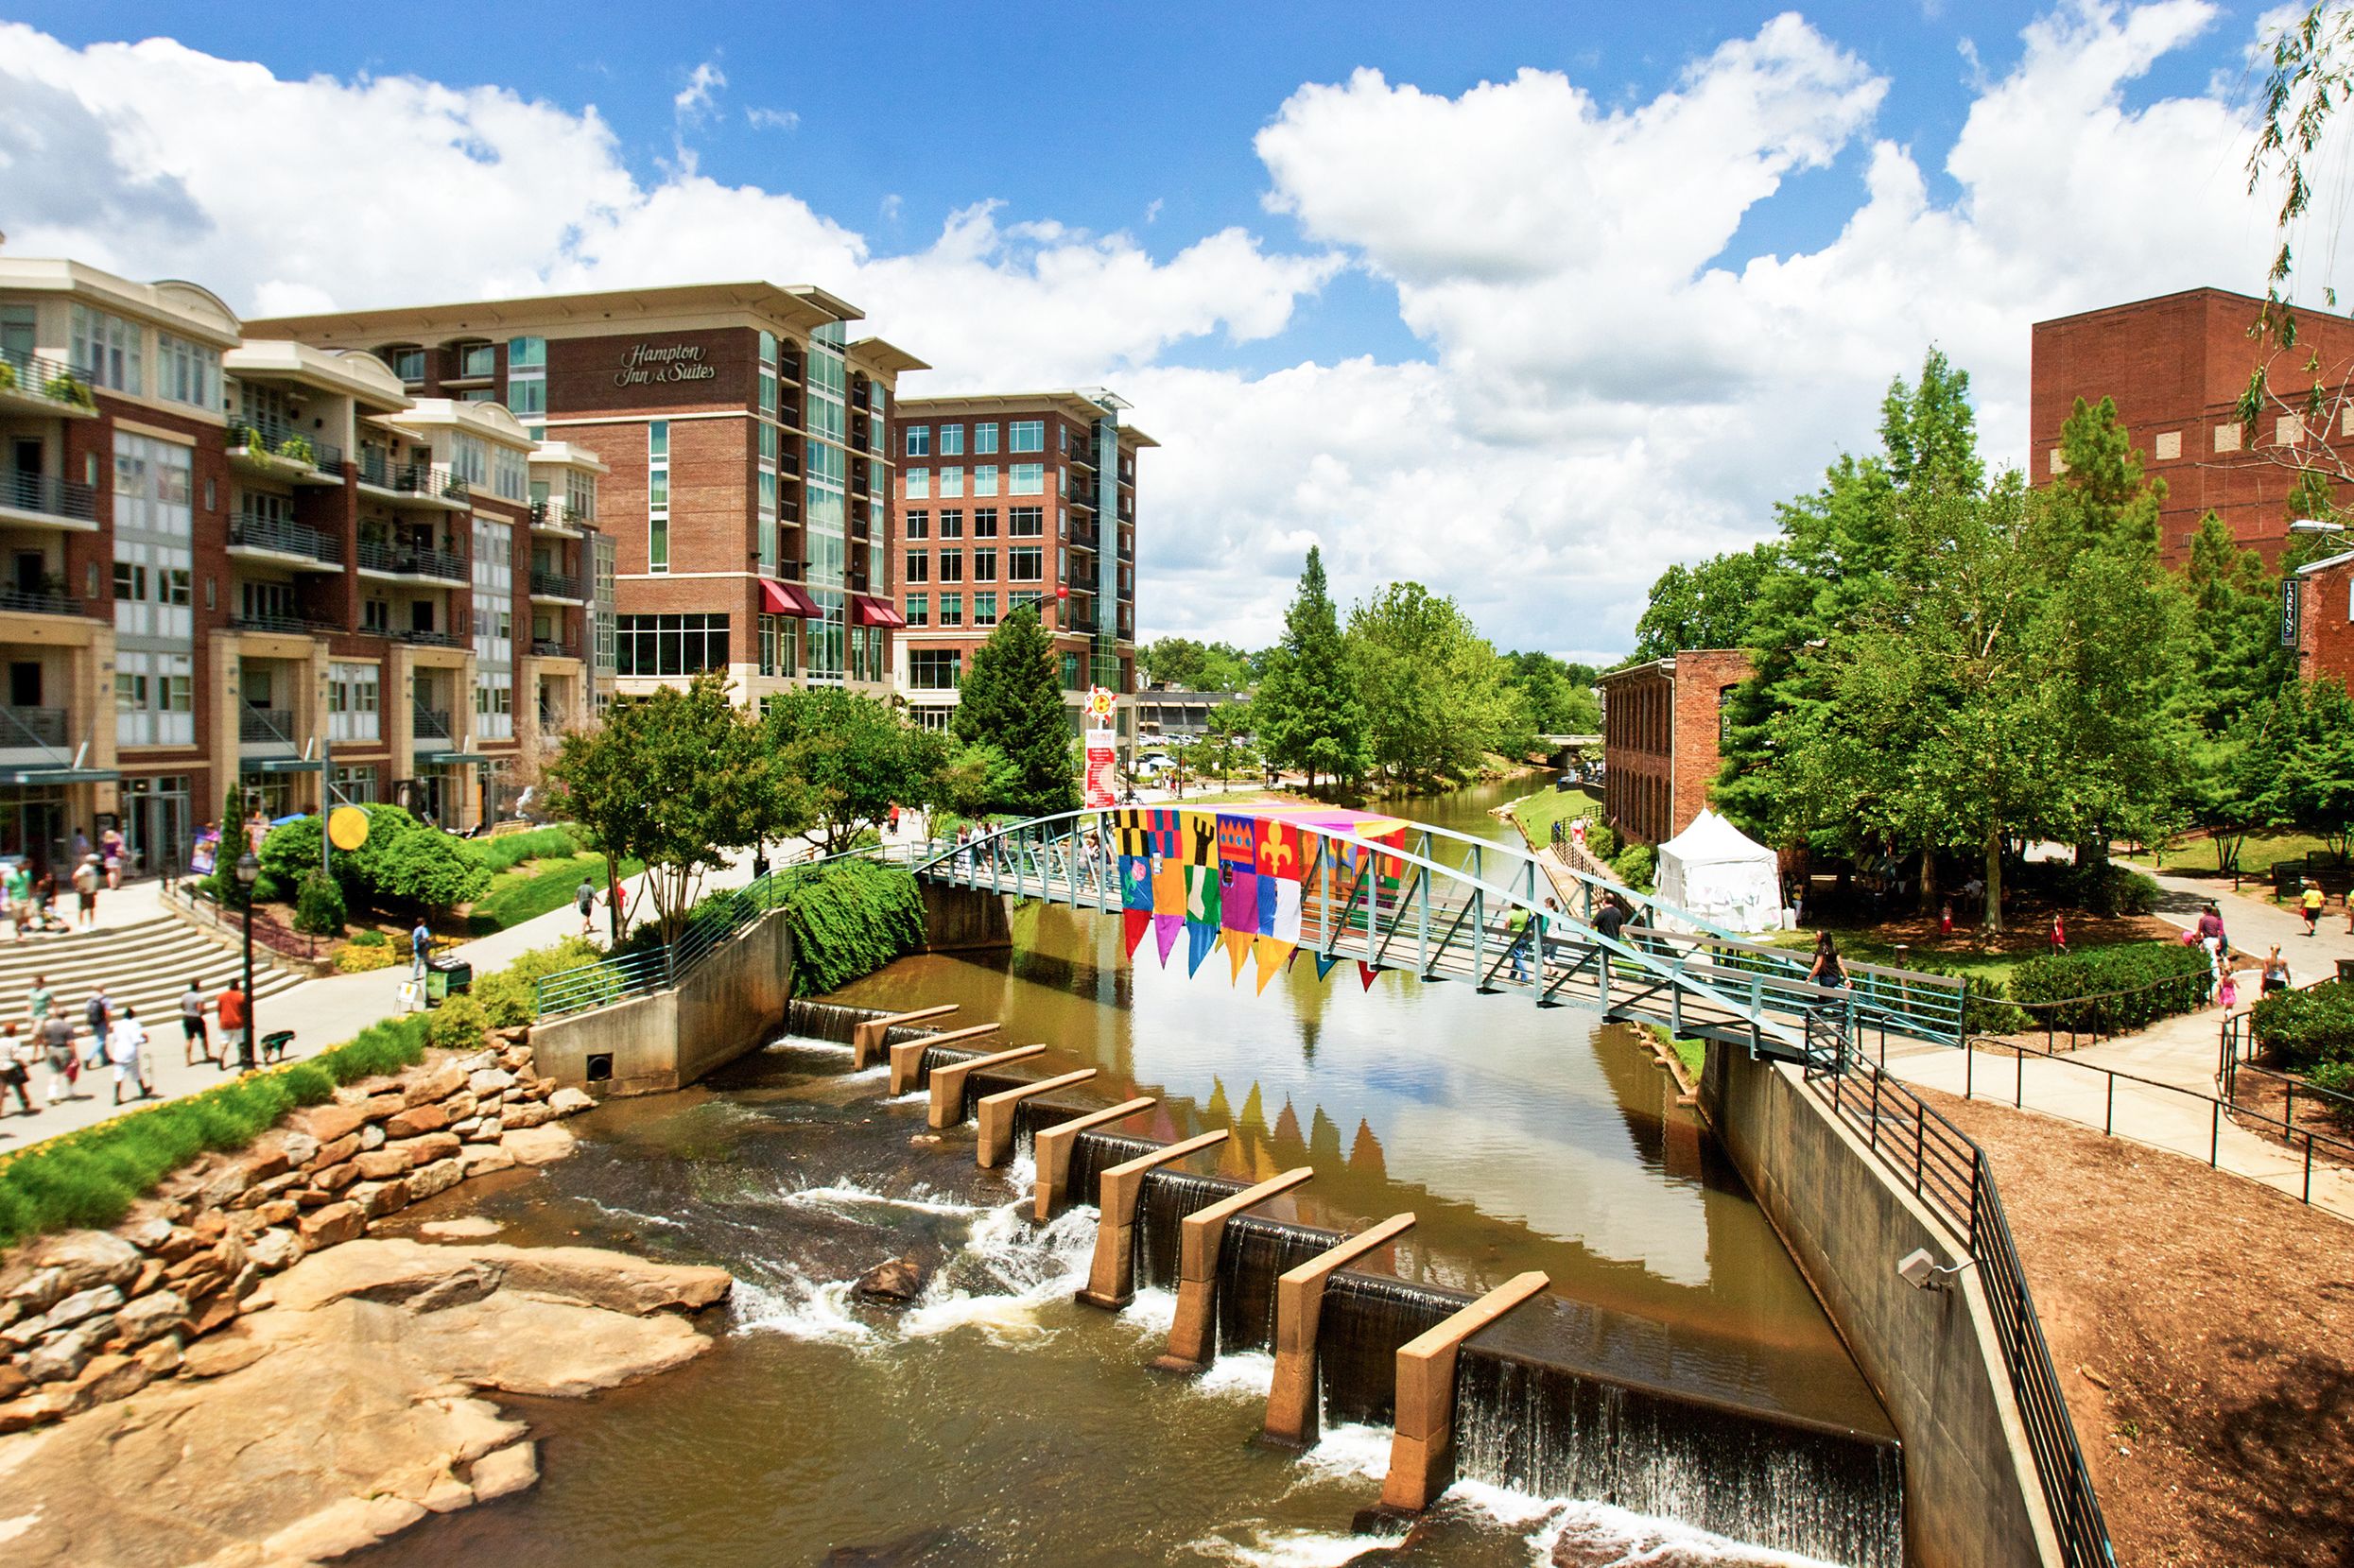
(1714,870)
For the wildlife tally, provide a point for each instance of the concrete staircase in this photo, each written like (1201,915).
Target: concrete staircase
(147,966)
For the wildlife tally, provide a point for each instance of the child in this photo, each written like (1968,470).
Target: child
(1944,920)
(2227,994)
(2059,935)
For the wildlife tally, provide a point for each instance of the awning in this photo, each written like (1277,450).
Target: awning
(58,775)
(287,765)
(866,611)
(788,598)
(454,759)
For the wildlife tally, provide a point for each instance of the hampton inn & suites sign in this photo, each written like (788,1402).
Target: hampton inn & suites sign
(647,363)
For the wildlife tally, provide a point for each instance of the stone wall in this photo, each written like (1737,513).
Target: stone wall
(94,1315)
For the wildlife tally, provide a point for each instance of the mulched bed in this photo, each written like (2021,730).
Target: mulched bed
(2202,1326)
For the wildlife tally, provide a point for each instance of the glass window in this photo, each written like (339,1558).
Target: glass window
(477,359)
(935,669)
(657,496)
(951,609)
(919,440)
(985,479)
(186,372)
(919,525)
(984,609)
(985,522)
(525,354)
(952,481)
(951,566)
(671,644)
(410,364)
(511,474)
(918,609)
(1072,678)
(984,565)
(951,440)
(919,566)
(1028,436)
(919,484)
(1030,521)
(470,459)
(768,349)
(1025,563)
(1029,480)
(106,350)
(952,523)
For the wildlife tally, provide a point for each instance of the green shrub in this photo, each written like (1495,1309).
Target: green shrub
(2307,1029)
(2111,990)
(1635,865)
(459,1024)
(849,918)
(509,996)
(368,936)
(1601,842)
(510,850)
(319,909)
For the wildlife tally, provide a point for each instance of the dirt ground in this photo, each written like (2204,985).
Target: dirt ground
(2202,1327)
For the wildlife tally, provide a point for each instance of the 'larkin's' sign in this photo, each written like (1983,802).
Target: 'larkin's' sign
(647,363)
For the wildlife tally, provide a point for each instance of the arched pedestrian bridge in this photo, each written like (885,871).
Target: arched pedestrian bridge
(1445,906)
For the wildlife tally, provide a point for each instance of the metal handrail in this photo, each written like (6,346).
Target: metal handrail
(275,438)
(49,494)
(428,638)
(261,724)
(38,375)
(432,723)
(414,560)
(31,603)
(554,585)
(262,532)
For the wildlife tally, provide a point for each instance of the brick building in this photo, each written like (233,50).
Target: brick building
(2176,367)
(1662,723)
(234,561)
(1011,500)
(745,441)
(2325,619)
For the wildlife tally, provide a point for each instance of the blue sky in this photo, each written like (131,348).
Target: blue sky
(1141,133)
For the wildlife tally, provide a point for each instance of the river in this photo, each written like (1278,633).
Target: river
(998,1421)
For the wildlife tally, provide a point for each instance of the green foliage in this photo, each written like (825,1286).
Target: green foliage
(1012,699)
(460,1024)
(536,887)
(2082,991)
(425,869)
(92,1178)
(1708,606)
(2309,1030)
(1436,696)
(1635,866)
(319,906)
(971,780)
(354,959)
(854,759)
(370,938)
(508,996)
(850,918)
(1557,697)
(1196,666)
(2105,887)
(510,850)
(404,865)
(1310,713)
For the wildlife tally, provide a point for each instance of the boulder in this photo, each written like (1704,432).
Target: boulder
(278,1211)
(301,1147)
(381,1164)
(336,1178)
(460,1108)
(435,1083)
(894,1280)
(610,1279)
(468,1228)
(335,1153)
(108,1378)
(268,1188)
(150,1275)
(88,1258)
(570,1102)
(417,1119)
(537,1146)
(63,1357)
(224,1186)
(376,1200)
(490,1080)
(264,1160)
(371,1136)
(505,1471)
(82,1304)
(149,1232)
(428,1147)
(158,1312)
(40,1289)
(276,1249)
(54,1403)
(333,1225)
(162,1356)
(482,1160)
(327,1122)
(12,1381)
(380,1108)
(439,1177)
(528,1114)
(468,1130)
(182,1242)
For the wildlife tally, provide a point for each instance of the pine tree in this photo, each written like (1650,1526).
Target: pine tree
(2098,498)
(1011,700)
(1309,716)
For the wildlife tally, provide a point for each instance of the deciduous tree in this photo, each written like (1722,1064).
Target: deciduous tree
(848,759)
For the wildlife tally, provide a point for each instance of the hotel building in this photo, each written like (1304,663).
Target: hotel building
(743,438)
(1009,501)
(236,561)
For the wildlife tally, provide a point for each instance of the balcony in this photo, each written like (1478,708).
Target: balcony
(560,517)
(264,726)
(34,384)
(287,626)
(555,586)
(271,446)
(253,534)
(546,647)
(22,728)
(46,502)
(42,601)
(429,723)
(412,483)
(425,638)
(379,559)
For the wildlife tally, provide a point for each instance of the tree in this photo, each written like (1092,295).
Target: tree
(1435,693)
(1011,700)
(1196,666)
(1223,739)
(675,779)
(1706,606)
(1556,695)
(1309,714)
(2098,498)
(851,759)
(2310,767)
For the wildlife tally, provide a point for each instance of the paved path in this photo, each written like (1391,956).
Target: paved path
(2255,924)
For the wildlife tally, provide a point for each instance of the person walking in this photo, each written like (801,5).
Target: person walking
(1944,920)
(1612,916)
(38,1001)
(110,849)
(56,1032)
(1826,970)
(17,1067)
(86,891)
(2275,976)
(1516,924)
(420,950)
(126,1046)
(2058,935)
(2227,992)
(2314,899)
(21,905)
(193,1040)
(235,1023)
(584,899)
(98,1013)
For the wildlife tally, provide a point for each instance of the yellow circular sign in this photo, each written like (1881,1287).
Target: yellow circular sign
(347,827)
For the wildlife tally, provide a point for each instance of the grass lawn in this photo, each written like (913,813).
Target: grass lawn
(2257,853)
(1972,955)
(1538,813)
(1693,1054)
(535,887)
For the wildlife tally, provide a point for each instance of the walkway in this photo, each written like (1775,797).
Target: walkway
(2255,924)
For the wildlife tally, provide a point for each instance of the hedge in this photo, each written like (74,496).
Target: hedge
(850,918)
(2111,990)
(2310,1029)
(91,1178)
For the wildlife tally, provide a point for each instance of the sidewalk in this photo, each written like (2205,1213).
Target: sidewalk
(2255,926)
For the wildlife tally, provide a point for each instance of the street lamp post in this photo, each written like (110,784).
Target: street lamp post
(249,871)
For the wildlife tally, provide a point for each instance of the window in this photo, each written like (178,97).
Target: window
(984,565)
(1016,603)
(356,785)
(951,609)
(470,459)
(375,616)
(526,381)
(952,440)
(918,609)
(984,609)
(354,695)
(510,474)
(919,525)
(1025,563)
(952,565)
(1029,523)
(1073,680)
(780,644)
(477,359)
(919,484)
(657,496)
(1029,480)
(935,669)
(952,524)
(186,372)
(1028,436)
(580,495)
(410,364)
(985,438)
(985,522)
(919,440)
(671,644)
(952,481)
(918,567)
(985,479)
(106,350)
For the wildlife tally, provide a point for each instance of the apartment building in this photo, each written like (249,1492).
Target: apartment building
(1017,500)
(746,470)
(1663,725)
(240,562)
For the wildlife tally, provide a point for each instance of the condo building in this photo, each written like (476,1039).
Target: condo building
(236,563)
(741,438)
(1011,501)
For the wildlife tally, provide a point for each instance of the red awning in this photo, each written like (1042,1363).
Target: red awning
(788,598)
(875,612)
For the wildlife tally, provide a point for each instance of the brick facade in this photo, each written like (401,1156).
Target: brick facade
(1661,725)
(2325,620)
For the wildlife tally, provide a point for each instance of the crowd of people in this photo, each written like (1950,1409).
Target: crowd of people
(117,1043)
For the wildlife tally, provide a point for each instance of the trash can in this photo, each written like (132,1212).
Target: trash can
(2345,970)
(446,977)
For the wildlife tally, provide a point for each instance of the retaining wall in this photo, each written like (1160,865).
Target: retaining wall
(728,1004)
(961,919)
(1972,1498)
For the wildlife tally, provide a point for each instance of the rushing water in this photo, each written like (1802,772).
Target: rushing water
(994,1421)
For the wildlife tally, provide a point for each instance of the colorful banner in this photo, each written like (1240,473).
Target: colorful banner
(1237,842)
(1199,941)
(1272,955)
(1238,950)
(1135,882)
(1137,922)
(1280,850)
(1165,932)
(1160,836)
(1100,785)
(1285,925)
(1201,896)
(1199,832)
(1239,897)
(1168,888)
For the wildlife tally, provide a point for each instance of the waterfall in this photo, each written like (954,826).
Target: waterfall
(828,1020)
(1255,1254)
(1093,1153)
(1163,1203)
(1366,1317)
